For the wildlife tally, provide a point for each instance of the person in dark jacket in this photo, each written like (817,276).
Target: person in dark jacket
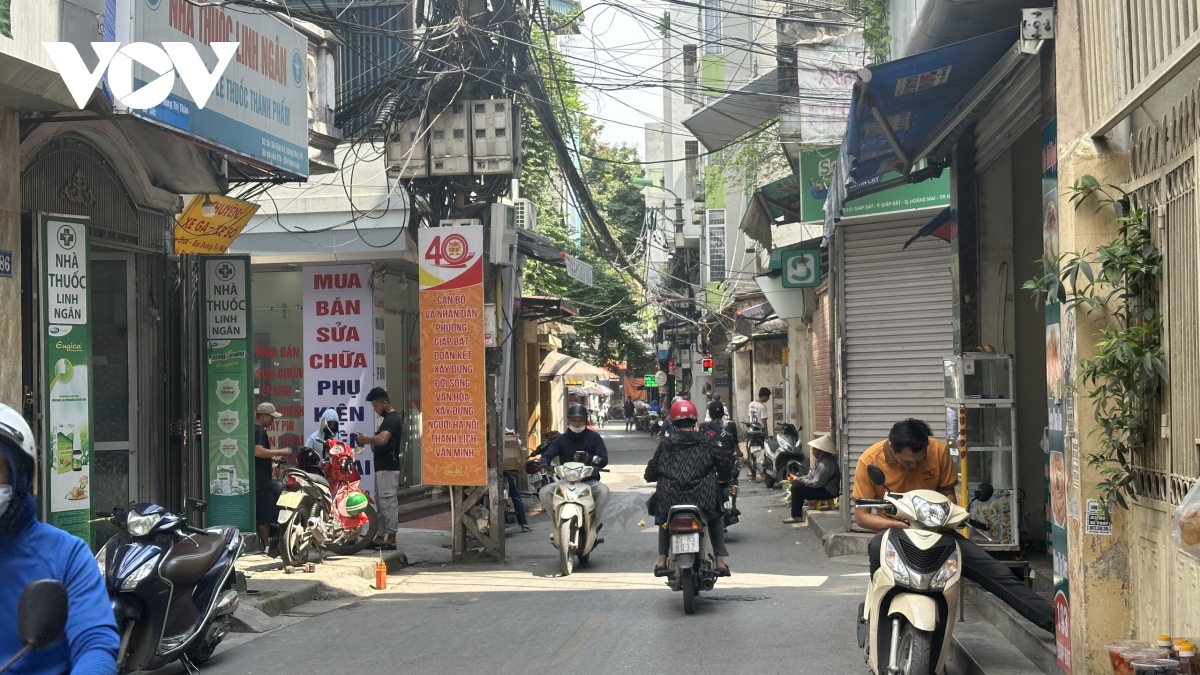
(824,480)
(716,410)
(629,414)
(577,444)
(688,467)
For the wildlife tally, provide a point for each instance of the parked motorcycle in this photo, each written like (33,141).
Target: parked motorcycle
(756,443)
(905,625)
(691,563)
(171,586)
(576,531)
(325,508)
(783,457)
(538,479)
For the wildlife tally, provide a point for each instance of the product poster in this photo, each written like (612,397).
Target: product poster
(454,423)
(228,404)
(67,359)
(339,361)
(1058,369)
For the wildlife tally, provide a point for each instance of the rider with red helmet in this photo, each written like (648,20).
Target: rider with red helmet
(688,467)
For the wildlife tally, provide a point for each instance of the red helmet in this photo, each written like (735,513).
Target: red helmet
(683,410)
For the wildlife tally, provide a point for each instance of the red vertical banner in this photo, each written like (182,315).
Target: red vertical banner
(454,407)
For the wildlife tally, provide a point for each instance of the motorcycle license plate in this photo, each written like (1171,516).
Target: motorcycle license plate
(728,504)
(284,516)
(685,543)
(290,500)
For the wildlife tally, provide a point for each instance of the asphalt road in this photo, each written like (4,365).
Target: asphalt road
(786,609)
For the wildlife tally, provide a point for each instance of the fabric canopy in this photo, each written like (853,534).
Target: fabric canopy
(604,391)
(578,391)
(557,364)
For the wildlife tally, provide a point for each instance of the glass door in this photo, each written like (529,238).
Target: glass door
(114,395)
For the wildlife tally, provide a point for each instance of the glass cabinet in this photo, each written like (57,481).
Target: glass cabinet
(981,428)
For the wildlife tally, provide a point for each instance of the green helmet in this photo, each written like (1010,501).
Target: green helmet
(355,504)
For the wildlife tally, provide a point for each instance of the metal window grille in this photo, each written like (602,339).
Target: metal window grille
(712,27)
(691,77)
(691,152)
(716,245)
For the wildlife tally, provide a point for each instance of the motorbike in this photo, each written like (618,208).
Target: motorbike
(691,563)
(576,531)
(783,457)
(905,624)
(324,508)
(726,436)
(171,586)
(653,424)
(538,479)
(756,443)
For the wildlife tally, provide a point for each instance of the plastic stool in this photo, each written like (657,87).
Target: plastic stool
(825,504)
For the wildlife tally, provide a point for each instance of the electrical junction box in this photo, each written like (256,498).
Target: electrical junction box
(502,233)
(449,154)
(492,136)
(408,148)
(526,215)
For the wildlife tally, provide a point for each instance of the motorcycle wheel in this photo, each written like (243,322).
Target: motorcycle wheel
(753,466)
(366,534)
(916,647)
(295,542)
(564,549)
(768,481)
(583,559)
(689,591)
(201,652)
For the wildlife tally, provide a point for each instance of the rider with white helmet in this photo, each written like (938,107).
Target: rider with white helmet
(30,551)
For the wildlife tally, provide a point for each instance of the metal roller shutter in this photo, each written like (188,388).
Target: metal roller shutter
(898,326)
(819,383)
(1013,110)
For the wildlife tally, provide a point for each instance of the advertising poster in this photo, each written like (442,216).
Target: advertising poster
(339,346)
(228,404)
(816,171)
(454,424)
(211,235)
(67,358)
(1058,369)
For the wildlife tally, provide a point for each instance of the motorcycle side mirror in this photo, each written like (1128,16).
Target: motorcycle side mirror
(876,474)
(984,492)
(41,614)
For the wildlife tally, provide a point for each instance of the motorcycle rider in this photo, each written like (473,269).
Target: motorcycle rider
(688,467)
(911,459)
(30,551)
(326,431)
(716,410)
(576,440)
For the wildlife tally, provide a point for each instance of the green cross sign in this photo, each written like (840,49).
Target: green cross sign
(66,237)
(801,268)
(224,271)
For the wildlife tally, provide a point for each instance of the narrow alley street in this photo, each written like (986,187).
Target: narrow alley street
(786,609)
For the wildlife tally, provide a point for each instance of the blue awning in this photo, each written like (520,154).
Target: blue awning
(906,115)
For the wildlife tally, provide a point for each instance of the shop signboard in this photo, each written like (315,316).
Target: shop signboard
(228,403)
(211,235)
(1060,341)
(454,421)
(801,268)
(67,363)
(339,355)
(816,170)
(258,108)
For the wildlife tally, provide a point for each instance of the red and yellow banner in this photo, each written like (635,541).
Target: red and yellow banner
(211,235)
(454,410)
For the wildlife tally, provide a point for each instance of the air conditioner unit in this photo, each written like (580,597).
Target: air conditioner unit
(408,149)
(449,154)
(502,233)
(526,215)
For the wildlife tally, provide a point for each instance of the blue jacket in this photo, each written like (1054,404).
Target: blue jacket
(41,551)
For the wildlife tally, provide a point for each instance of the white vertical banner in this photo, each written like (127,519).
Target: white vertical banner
(339,347)
(380,352)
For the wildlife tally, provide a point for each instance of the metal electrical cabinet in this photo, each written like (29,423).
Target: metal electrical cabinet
(981,429)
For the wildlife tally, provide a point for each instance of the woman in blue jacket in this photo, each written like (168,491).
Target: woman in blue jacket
(30,551)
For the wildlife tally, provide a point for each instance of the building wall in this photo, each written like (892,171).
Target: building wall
(742,380)
(770,370)
(799,357)
(10,240)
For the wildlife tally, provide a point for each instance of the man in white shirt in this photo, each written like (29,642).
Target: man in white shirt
(758,408)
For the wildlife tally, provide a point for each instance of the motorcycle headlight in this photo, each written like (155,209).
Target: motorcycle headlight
(891,558)
(946,573)
(931,514)
(573,475)
(140,526)
(140,573)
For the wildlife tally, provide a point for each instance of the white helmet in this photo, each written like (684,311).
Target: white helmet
(15,429)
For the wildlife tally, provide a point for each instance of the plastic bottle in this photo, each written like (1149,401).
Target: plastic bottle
(1187,659)
(381,575)
(1165,641)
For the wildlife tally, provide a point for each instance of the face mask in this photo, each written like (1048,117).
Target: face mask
(575,429)
(332,427)
(6,493)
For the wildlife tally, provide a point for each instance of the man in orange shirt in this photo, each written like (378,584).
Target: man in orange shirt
(911,459)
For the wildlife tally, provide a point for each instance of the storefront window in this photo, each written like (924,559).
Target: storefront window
(278,359)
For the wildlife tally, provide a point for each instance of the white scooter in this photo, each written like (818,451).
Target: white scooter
(906,624)
(576,531)
(691,563)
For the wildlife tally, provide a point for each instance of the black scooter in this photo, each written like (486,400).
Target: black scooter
(171,586)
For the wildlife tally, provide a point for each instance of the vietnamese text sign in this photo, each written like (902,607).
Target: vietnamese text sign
(228,404)
(339,346)
(816,171)
(226,296)
(454,420)
(67,358)
(259,106)
(201,234)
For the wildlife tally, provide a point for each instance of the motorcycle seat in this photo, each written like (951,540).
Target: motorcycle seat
(191,558)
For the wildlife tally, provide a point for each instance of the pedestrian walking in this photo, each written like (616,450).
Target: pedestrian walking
(386,444)
(265,511)
(628,415)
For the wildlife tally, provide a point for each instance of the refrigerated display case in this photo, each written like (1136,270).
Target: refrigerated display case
(981,429)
